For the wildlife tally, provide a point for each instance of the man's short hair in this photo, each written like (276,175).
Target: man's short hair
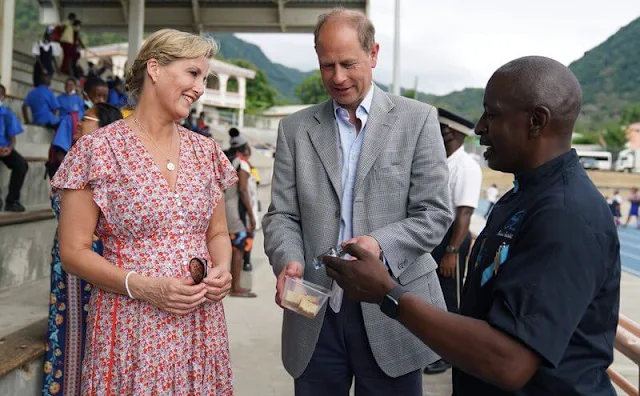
(355,19)
(3,90)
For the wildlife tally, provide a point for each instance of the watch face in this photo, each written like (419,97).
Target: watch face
(389,306)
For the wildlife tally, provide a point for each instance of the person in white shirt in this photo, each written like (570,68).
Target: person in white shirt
(45,52)
(492,197)
(465,180)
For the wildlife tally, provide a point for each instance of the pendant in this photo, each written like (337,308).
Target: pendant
(171,166)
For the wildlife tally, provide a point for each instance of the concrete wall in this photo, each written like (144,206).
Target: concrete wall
(35,191)
(25,252)
(24,381)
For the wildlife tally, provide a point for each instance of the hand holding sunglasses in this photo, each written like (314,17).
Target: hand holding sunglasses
(198,269)
(217,279)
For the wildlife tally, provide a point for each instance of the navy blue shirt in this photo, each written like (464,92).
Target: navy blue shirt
(546,271)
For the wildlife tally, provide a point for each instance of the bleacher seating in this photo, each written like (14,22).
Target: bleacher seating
(25,248)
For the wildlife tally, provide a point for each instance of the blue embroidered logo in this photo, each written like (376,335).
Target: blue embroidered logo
(509,228)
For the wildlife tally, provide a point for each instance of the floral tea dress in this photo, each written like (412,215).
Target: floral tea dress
(134,348)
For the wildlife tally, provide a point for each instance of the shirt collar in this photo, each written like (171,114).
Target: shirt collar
(545,171)
(364,105)
(454,156)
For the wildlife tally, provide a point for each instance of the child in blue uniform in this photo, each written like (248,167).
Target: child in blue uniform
(9,128)
(43,104)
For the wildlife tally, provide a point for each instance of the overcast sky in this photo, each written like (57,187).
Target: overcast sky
(453,44)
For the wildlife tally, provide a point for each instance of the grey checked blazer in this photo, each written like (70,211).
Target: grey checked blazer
(401,198)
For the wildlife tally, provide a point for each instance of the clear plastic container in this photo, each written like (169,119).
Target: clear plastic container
(303,297)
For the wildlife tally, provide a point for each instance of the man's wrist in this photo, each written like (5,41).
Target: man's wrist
(391,301)
(451,249)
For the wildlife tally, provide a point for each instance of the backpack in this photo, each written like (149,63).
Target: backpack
(56,33)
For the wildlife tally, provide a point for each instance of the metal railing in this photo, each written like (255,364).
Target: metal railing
(628,343)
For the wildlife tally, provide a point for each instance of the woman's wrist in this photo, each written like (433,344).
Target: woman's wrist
(138,284)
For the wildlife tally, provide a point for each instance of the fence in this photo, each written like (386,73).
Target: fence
(627,343)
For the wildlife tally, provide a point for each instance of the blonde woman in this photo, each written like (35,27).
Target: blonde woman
(152,192)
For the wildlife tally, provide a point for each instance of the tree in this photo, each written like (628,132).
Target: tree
(410,93)
(631,114)
(311,90)
(260,95)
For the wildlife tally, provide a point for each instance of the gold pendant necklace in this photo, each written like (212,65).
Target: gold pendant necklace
(170,165)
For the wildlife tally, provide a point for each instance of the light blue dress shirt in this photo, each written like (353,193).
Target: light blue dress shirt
(350,147)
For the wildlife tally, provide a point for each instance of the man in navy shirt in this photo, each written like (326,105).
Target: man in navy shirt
(43,104)
(540,302)
(9,128)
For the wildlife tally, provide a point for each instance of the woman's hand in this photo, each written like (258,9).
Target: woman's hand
(176,296)
(218,283)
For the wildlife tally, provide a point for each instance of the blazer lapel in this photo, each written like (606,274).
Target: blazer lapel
(324,138)
(377,133)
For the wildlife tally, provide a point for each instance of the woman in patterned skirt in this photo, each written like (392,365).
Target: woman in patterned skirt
(152,192)
(70,295)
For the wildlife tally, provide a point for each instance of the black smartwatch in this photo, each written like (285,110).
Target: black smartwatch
(389,304)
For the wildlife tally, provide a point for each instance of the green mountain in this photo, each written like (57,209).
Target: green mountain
(610,76)
(283,78)
(467,102)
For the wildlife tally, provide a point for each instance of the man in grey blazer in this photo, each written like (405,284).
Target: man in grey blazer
(370,168)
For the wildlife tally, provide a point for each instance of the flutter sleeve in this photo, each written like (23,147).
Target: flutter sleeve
(86,164)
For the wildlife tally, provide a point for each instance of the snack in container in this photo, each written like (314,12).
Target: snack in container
(303,297)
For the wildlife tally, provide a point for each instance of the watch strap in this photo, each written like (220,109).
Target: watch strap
(390,302)
(397,292)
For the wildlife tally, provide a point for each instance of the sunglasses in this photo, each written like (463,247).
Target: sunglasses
(198,269)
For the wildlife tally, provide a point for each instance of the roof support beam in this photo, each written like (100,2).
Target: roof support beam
(283,25)
(197,24)
(125,9)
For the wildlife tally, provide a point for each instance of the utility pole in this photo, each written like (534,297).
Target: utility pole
(396,52)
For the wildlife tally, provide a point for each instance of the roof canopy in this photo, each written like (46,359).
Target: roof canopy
(198,15)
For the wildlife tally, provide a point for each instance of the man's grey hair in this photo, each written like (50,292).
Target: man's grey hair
(355,19)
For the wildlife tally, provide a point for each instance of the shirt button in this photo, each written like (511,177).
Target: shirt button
(181,232)
(179,203)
